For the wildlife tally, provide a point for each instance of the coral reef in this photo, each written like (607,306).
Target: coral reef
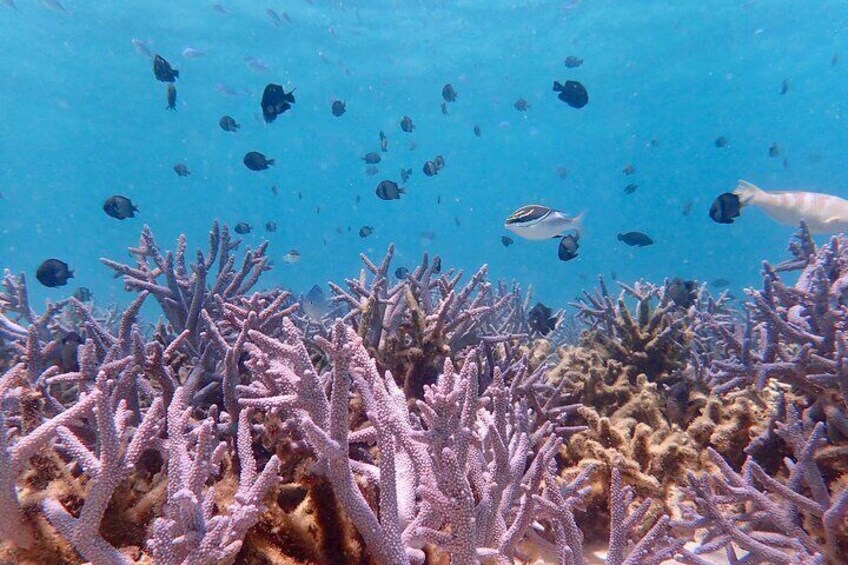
(423,421)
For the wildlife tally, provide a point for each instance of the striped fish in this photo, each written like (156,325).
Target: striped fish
(823,213)
(535,221)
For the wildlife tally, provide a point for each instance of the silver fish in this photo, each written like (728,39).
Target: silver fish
(314,303)
(193,53)
(255,64)
(54,5)
(823,213)
(142,48)
(539,222)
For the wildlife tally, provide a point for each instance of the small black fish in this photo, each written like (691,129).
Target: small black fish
(243,228)
(227,123)
(724,208)
(562,172)
(721,141)
(774,150)
(506,240)
(630,188)
(274,190)
(256,161)
(439,161)
(365,231)
(68,353)
(477,131)
(53,273)
(182,170)
(163,71)
(275,101)
(119,207)
(628,169)
(372,158)
(542,319)
(401,272)
(568,247)
(444,107)
(687,207)
(338,108)
(676,402)
(448,93)
(719,283)
(682,293)
(372,170)
(784,86)
(384,142)
(635,238)
(271,226)
(572,93)
(389,190)
(405,174)
(406,124)
(171,97)
(573,62)
(430,168)
(521,105)
(439,199)
(437,265)
(83,294)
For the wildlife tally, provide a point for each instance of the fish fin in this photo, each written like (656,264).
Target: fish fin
(557,86)
(402,190)
(578,222)
(269,162)
(747,192)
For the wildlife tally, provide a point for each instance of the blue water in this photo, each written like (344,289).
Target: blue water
(82,118)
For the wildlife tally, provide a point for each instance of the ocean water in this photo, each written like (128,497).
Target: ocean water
(82,118)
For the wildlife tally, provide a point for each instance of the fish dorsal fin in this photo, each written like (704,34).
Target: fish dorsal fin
(746,191)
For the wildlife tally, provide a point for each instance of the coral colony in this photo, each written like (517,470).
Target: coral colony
(424,421)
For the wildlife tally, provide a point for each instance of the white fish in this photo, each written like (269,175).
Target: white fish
(823,213)
(142,48)
(255,64)
(193,53)
(540,222)
(54,5)
(225,90)
(291,256)
(314,304)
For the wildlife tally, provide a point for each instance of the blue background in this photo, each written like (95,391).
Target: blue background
(82,118)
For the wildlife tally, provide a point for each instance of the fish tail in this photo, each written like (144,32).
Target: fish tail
(747,192)
(176,73)
(557,86)
(578,222)
(270,162)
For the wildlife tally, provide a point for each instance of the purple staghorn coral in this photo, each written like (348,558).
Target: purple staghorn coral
(791,352)
(482,452)
(411,327)
(239,432)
